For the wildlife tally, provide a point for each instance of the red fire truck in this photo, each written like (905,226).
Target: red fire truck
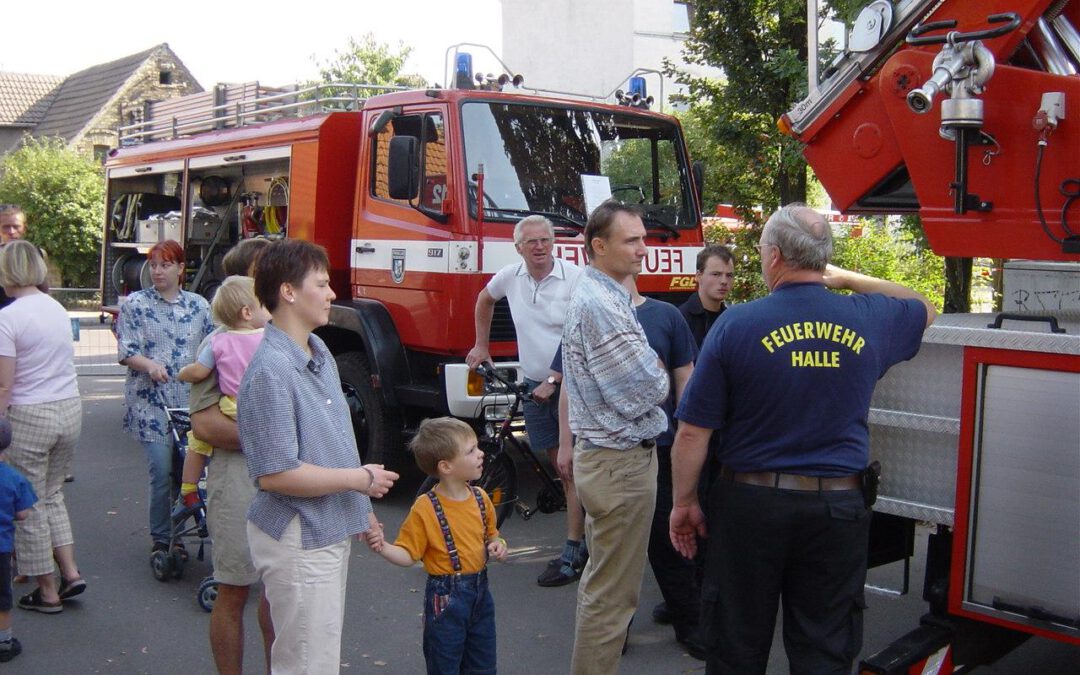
(965,112)
(414,195)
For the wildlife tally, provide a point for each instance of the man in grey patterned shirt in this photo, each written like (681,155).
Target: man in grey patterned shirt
(613,385)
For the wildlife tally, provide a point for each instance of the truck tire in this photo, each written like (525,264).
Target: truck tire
(377,429)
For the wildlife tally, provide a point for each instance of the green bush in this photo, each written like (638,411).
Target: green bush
(63,195)
(880,251)
(893,254)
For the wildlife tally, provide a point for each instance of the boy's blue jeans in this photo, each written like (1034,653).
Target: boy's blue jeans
(459,625)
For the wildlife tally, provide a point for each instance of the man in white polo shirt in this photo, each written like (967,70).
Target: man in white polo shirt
(538,290)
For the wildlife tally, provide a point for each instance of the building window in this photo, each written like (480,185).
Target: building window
(683,16)
(165,77)
(101,153)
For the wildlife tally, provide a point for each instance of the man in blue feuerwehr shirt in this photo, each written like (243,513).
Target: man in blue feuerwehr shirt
(788,378)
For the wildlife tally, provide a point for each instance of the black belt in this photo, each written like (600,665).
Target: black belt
(793,481)
(647,443)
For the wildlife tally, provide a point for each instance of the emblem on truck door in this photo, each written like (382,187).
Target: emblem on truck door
(397,265)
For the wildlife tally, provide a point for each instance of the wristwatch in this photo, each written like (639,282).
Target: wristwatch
(551,380)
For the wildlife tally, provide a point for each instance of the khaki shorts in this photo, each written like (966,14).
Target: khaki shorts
(229,491)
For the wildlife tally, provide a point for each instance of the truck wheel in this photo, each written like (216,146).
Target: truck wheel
(377,429)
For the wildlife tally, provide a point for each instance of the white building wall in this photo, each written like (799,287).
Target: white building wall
(591,47)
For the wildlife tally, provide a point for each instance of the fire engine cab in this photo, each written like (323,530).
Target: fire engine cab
(414,195)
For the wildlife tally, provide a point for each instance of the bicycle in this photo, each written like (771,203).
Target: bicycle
(499,438)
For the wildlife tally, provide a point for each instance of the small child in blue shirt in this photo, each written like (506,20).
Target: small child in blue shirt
(16,498)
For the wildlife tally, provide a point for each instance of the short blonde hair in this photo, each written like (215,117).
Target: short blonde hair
(234,294)
(21,264)
(437,440)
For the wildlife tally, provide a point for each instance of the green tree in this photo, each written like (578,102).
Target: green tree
(63,195)
(761,47)
(369,61)
(894,254)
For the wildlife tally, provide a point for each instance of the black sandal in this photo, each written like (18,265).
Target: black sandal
(34,603)
(69,589)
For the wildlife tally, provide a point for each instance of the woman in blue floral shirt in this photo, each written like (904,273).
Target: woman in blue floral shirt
(158,333)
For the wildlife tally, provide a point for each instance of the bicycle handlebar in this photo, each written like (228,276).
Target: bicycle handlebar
(490,373)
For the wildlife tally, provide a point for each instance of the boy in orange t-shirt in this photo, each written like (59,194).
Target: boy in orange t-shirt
(452,530)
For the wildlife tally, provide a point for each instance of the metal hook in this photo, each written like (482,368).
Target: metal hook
(990,153)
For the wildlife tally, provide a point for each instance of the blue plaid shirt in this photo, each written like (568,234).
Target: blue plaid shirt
(291,411)
(169,333)
(612,376)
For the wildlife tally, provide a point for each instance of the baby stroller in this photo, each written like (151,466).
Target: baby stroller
(186,523)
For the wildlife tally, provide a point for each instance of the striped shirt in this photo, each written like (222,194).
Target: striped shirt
(612,377)
(291,411)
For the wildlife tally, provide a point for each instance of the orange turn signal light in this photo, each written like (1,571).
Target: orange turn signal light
(475,384)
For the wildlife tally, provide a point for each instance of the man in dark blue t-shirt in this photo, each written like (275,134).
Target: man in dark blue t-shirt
(673,341)
(788,378)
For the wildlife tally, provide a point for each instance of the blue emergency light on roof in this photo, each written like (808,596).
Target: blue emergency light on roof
(463,77)
(636,98)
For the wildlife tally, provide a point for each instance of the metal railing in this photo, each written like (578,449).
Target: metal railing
(264,106)
(91,331)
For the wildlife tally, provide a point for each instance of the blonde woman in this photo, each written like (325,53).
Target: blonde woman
(39,395)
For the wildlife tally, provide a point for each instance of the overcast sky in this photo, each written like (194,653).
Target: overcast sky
(271,41)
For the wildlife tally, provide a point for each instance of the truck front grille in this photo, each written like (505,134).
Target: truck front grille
(502,323)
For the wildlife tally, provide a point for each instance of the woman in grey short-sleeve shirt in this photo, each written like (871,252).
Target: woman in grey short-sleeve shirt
(296,436)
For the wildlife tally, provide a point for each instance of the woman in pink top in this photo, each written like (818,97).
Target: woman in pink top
(40,397)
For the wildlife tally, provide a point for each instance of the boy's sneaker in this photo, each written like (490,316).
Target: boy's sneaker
(9,649)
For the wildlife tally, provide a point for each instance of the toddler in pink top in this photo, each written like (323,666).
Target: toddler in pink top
(228,352)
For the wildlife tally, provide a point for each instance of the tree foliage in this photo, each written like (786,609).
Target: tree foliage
(893,254)
(886,252)
(369,61)
(63,195)
(761,47)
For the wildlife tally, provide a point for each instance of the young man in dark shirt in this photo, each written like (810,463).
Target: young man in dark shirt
(715,275)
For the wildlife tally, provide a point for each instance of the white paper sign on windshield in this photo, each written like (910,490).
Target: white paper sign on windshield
(596,189)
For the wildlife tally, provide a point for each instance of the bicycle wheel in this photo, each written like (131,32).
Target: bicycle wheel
(499,480)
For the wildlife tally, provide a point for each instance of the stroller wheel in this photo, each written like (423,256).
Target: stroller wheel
(159,563)
(208,591)
(176,560)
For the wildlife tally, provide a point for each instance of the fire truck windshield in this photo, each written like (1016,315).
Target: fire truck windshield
(534,157)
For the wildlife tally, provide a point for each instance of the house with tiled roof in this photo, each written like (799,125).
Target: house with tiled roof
(87,108)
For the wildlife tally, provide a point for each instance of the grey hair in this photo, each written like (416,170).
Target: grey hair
(802,235)
(532,220)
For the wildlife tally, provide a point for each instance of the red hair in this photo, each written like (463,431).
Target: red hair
(170,251)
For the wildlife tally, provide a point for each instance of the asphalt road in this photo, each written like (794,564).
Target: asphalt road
(128,622)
